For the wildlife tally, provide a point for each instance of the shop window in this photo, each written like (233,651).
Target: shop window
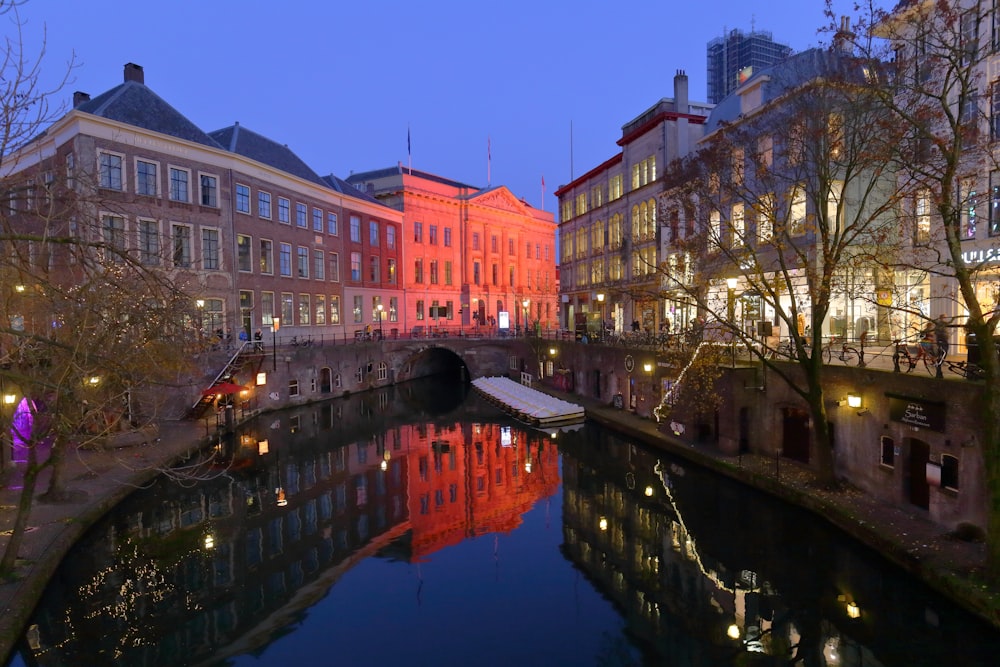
(949,472)
(888,455)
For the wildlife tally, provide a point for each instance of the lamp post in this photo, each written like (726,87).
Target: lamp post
(275,325)
(380,308)
(526,303)
(600,300)
(200,303)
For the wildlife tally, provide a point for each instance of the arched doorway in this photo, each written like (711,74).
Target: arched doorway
(325,381)
(915,485)
(795,434)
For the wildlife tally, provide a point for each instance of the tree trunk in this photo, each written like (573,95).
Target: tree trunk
(826,475)
(56,491)
(24,504)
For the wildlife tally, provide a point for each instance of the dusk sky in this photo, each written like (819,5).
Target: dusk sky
(341,82)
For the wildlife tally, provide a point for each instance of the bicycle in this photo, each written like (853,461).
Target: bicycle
(925,351)
(847,353)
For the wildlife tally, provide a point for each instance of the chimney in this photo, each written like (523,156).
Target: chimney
(681,92)
(133,72)
(79,98)
(844,38)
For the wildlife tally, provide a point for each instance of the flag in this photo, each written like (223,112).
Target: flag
(543,182)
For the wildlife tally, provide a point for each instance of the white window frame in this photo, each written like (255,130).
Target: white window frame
(170,177)
(156,177)
(122,178)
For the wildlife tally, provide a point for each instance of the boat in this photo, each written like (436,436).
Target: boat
(529,405)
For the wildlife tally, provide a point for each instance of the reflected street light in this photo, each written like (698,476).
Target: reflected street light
(275,325)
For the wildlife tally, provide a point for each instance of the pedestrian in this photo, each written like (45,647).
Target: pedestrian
(258,344)
(940,328)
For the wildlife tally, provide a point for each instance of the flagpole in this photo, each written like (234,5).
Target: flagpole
(543,192)
(409,152)
(489,159)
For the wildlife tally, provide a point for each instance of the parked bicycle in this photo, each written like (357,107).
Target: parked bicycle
(301,342)
(847,353)
(924,351)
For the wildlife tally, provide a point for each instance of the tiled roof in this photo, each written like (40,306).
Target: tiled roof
(133,103)
(247,143)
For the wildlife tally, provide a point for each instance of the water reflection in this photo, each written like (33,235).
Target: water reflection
(318,528)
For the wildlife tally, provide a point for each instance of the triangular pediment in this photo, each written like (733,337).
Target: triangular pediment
(500,198)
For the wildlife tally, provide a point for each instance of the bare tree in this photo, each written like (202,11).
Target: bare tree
(86,329)
(784,205)
(943,94)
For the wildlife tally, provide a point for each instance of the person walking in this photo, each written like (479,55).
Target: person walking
(940,329)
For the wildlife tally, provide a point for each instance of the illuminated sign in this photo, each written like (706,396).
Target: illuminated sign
(981,256)
(916,412)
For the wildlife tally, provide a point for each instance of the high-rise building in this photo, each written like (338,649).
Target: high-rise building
(734,57)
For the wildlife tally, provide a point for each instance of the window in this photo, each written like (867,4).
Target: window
(765,151)
(264,205)
(968,203)
(305,309)
(447,272)
(390,237)
(738,160)
(447,237)
(432,235)
(373,233)
(373,266)
(334,309)
(209,190)
(949,472)
(476,273)
(113,229)
(331,224)
(581,203)
(179,184)
(418,271)
(210,249)
(287,306)
(797,211)
(994,223)
(285,260)
(356,266)
(149,242)
(244,262)
(319,266)
(317,220)
(418,232)
(300,215)
(302,262)
(922,218)
(393,309)
(355,229)
(266,257)
(495,275)
(475,240)
(420,309)
(284,211)
(714,230)
(434,272)
(969,37)
(765,218)
(267,308)
(390,271)
(180,236)
(145,178)
(334,264)
(888,452)
(738,224)
(527,248)
(243,198)
(358,316)
(615,187)
(319,309)
(111,171)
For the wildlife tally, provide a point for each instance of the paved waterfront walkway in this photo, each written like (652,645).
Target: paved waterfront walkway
(101,479)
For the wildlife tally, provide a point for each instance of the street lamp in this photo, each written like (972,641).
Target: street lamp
(275,325)
(380,308)
(600,300)
(526,303)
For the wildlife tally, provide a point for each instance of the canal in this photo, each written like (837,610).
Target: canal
(418,525)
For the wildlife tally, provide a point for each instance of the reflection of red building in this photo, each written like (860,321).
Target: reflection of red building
(474,481)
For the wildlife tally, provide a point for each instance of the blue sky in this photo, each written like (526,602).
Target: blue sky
(340,82)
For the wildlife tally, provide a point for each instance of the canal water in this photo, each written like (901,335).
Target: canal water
(420,526)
